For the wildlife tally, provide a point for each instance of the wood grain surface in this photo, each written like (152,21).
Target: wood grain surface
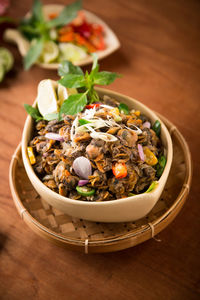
(160,63)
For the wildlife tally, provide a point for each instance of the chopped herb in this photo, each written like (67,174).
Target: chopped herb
(157,127)
(123,108)
(160,165)
(83,121)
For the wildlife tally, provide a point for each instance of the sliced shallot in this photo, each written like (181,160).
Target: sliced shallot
(83,182)
(82,167)
(147,124)
(54,136)
(141,153)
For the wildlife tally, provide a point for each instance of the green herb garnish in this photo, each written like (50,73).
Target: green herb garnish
(83,121)
(74,104)
(123,108)
(73,77)
(35,28)
(33,112)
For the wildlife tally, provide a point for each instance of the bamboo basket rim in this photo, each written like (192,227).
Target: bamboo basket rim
(144,229)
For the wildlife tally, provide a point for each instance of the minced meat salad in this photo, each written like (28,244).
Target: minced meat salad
(104,152)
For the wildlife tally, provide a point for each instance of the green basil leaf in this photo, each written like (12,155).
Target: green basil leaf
(67,15)
(37,11)
(50,117)
(72,81)
(33,53)
(104,78)
(66,67)
(33,112)
(73,105)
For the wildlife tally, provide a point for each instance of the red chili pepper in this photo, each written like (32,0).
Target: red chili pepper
(119,170)
(89,106)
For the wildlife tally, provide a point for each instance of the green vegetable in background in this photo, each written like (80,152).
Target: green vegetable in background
(38,29)
(6,62)
(73,77)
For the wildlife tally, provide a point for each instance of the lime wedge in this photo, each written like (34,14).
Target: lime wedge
(46,97)
(50,52)
(62,94)
(6,58)
(2,71)
(71,52)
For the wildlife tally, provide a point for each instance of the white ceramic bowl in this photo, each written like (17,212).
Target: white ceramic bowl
(111,40)
(120,210)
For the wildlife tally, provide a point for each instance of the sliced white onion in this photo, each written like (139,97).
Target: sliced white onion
(103,136)
(107,106)
(137,130)
(73,129)
(82,167)
(141,152)
(54,136)
(146,124)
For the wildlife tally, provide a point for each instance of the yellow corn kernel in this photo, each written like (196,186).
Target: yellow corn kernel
(31,155)
(150,158)
(137,113)
(114,111)
(115,114)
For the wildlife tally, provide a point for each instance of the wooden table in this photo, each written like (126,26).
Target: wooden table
(160,63)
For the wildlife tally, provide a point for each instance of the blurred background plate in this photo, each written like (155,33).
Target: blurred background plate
(111,40)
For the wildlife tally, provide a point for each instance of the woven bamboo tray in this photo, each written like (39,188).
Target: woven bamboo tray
(91,237)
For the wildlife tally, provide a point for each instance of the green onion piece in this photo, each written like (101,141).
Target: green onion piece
(123,108)
(160,165)
(152,187)
(83,121)
(157,127)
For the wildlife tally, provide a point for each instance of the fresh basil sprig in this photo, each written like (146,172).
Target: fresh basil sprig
(73,77)
(38,29)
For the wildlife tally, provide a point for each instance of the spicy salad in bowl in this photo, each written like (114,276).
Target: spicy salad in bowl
(93,153)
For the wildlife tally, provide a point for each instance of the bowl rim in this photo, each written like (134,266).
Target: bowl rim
(49,192)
